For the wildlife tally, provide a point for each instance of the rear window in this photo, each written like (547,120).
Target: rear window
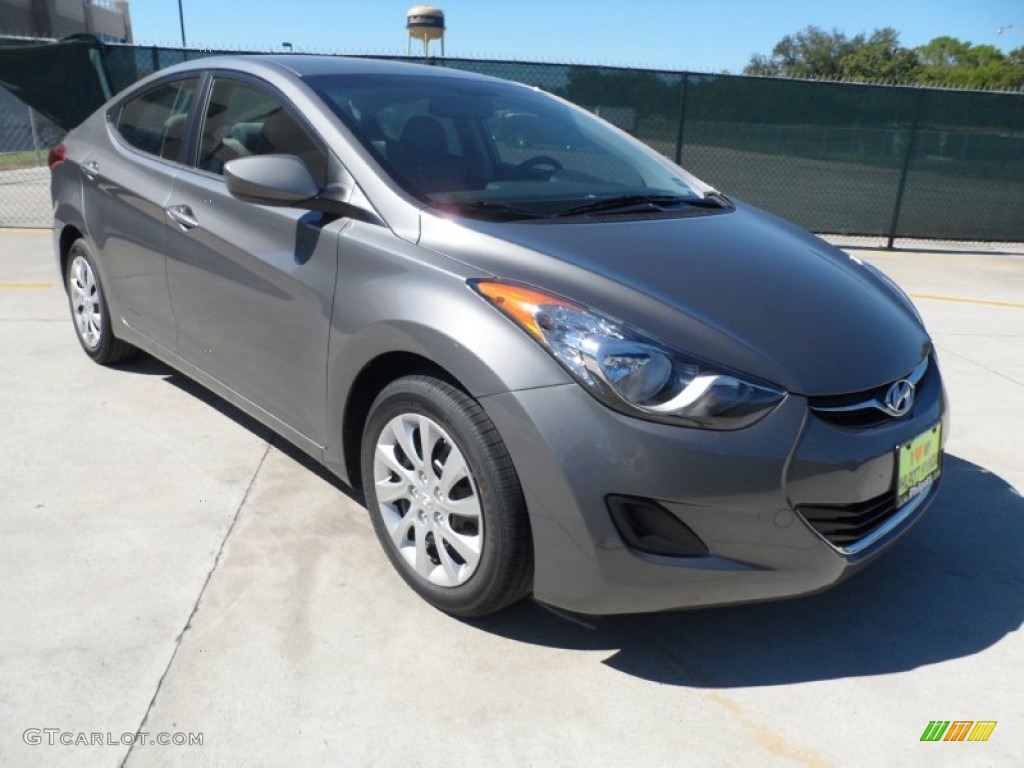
(154,122)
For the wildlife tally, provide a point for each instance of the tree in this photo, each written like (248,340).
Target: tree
(949,61)
(812,52)
(942,53)
(945,60)
(881,57)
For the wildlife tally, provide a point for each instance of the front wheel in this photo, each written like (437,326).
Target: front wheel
(444,498)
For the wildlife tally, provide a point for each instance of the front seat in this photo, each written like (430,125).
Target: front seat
(422,157)
(281,133)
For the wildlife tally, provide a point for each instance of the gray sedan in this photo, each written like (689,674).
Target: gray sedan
(555,363)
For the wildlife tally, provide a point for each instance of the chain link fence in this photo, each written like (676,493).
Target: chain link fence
(25,141)
(864,160)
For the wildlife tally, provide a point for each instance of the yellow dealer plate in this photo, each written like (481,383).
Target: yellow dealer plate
(918,464)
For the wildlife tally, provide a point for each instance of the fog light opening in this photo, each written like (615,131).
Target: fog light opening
(648,527)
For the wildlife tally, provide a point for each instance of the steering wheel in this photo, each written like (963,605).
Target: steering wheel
(539,161)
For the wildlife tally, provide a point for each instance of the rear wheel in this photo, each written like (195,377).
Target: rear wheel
(444,498)
(89,309)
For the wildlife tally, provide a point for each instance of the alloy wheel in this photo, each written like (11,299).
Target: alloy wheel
(428,500)
(86,302)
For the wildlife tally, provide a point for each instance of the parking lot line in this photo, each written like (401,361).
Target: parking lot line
(26,285)
(1014,304)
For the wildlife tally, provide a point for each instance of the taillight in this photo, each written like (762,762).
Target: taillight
(58,155)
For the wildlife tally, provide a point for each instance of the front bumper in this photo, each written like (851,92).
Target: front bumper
(738,491)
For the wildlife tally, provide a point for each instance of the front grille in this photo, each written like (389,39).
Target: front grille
(845,524)
(860,417)
(863,409)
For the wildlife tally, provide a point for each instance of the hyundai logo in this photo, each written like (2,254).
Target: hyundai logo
(899,398)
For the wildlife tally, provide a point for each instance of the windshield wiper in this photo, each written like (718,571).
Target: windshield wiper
(657,202)
(491,208)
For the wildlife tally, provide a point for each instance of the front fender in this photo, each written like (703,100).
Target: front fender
(394,296)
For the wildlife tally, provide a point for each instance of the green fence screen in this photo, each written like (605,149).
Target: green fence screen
(842,158)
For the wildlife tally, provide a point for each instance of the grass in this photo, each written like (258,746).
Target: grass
(12,160)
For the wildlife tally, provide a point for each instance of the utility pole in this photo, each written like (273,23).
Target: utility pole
(181,20)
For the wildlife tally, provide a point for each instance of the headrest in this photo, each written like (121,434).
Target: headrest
(423,139)
(282,132)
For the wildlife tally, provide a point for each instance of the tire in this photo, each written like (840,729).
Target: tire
(89,311)
(460,538)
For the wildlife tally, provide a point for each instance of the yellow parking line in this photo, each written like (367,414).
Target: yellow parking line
(1014,304)
(26,231)
(26,285)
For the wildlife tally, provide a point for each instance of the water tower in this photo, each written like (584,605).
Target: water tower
(426,23)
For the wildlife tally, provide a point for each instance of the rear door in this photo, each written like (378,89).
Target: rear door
(127,183)
(253,286)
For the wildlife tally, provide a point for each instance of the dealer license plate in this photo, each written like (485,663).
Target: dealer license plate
(918,464)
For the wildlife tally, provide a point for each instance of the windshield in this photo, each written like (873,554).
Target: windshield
(501,150)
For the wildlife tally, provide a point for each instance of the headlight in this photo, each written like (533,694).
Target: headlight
(628,371)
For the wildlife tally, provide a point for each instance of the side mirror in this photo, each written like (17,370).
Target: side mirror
(270,180)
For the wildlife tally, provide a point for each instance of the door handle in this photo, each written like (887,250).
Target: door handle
(183,215)
(91,169)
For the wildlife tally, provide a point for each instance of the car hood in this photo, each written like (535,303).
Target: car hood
(741,289)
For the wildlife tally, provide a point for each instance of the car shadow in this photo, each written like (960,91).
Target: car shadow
(953,587)
(148,365)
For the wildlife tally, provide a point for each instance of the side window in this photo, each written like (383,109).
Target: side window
(155,121)
(243,120)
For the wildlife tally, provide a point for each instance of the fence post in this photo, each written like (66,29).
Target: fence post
(35,135)
(918,98)
(682,119)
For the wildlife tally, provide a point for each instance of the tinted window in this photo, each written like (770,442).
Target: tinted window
(243,120)
(522,133)
(155,121)
(479,145)
(394,120)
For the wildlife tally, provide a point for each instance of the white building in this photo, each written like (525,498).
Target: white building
(109,20)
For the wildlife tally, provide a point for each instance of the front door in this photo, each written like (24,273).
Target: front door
(253,286)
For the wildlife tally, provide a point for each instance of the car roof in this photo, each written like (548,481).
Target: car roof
(306,65)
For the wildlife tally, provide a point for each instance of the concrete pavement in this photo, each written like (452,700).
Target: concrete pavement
(168,566)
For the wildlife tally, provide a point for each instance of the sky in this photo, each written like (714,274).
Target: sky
(695,35)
